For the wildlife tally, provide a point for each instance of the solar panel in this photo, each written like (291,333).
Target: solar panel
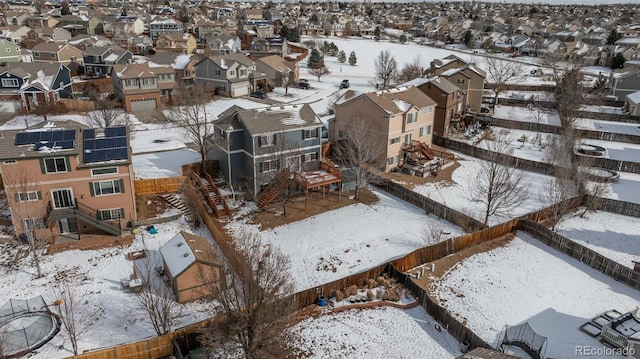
(86,134)
(115,132)
(45,136)
(22,138)
(110,146)
(64,144)
(69,135)
(34,137)
(57,136)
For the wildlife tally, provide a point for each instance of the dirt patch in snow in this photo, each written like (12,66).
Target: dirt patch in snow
(410,181)
(149,206)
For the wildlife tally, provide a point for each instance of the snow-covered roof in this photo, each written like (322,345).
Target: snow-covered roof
(634,97)
(183,250)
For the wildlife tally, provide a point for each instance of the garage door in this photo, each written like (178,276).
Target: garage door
(241,91)
(143,105)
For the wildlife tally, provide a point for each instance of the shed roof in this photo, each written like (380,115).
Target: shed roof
(185,249)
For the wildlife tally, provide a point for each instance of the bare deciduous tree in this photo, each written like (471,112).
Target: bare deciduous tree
(284,79)
(360,150)
(319,72)
(497,186)
(386,68)
(432,233)
(156,298)
(500,72)
(556,196)
(76,321)
(106,111)
(257,305)
(411,70)
(29,208)
(190,113)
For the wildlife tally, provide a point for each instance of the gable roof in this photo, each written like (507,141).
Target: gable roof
(270,119)
(226,61)
(133,71)
(176,61)
(185,249)
(39,74)
(10,150)
(399,100)
(277,63)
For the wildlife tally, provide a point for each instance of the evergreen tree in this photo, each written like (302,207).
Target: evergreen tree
(64,8)
(467,38)
(352,58)
(342,57)
(403,38)
(376,32)
(613,37)
(294,34)
(315,60)
(618,61)
(284,32)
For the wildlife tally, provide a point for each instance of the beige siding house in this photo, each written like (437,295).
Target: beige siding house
(56,52)
(395,117)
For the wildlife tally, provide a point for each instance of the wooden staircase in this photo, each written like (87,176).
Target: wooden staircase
(205,184)
(269,194)
(176,202)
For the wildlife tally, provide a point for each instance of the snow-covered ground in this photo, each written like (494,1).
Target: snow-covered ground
(626,189)
(457,195)
(515,113)
(374,333)
(526,281)
(613,235)
(95,276)
(163,164)
(609,126)
(350,239)
(618,150)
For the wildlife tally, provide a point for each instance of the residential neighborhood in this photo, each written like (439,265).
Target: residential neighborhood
(319,180)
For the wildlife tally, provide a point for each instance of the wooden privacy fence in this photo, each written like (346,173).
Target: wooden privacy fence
(158,185)
(468,223)
(78,105)
(615,165)
(487,155)
(616,206)
(585,255)
(608,116)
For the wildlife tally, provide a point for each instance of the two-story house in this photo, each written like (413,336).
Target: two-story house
(68,182)
(53,34)
(81,24)
(394,118)
(180,43)
(279,71)
(18,33)
(182,64)
(224,45)
(253,146)
(467,76)
(9,52)
(449,99)
(34,83)
(164,26)
(58,52)
(261,47)
(41,20)
(98,61)
(624,83)
(140,87)
(230,75)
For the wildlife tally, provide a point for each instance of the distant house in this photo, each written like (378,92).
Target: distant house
(633,103)
(34,83)
(9,52)
(18,33)
(179,43)
(182,64)
(192,267)
(98,61)
(261,47)
(467,76)
(253,146)
(278,70)
(140,87)
(53,34)
(395,118)
(224,45)
(46,20)
(624,83)
(230,75)
(52,51)
(81,24)
(78,186)
(164,26)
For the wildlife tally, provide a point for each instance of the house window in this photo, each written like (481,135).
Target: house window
(52,55)
(311,156)
(309,134)
(29,224)
(104,171)
(55,165)
(243,72)
(10,162)
(460,81)
(73,59)
(36,54)
(412,117)
(232,73)
(111,214)
(407,139)
(268,140)
(392,160)
(394,140)
(28,196)
(9,82)
(269,165)
(427,109)
(148,81)
(129,83)
(218,72)
(106,187)
(342,134)
(426,130)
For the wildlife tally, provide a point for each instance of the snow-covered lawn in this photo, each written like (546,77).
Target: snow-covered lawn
(374,333)
(350,239)
(626,189)
(533,148)
(526,281)
(457,196)
(523,114)
(163,164)
(613,235)
(609,126)
(618,150)
(95,277)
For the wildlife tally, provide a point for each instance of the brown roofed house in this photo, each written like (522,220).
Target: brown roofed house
(140,87)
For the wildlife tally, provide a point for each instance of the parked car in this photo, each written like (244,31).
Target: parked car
(258,94)
(303,85)
(344,84)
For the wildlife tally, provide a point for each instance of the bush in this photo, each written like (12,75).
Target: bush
(369,296)
(393,294)
(383,281)
(339,296)
(352,290)
(379,294)
(371,284)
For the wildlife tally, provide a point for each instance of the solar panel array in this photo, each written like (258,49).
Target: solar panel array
(111,145)
(62,139)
